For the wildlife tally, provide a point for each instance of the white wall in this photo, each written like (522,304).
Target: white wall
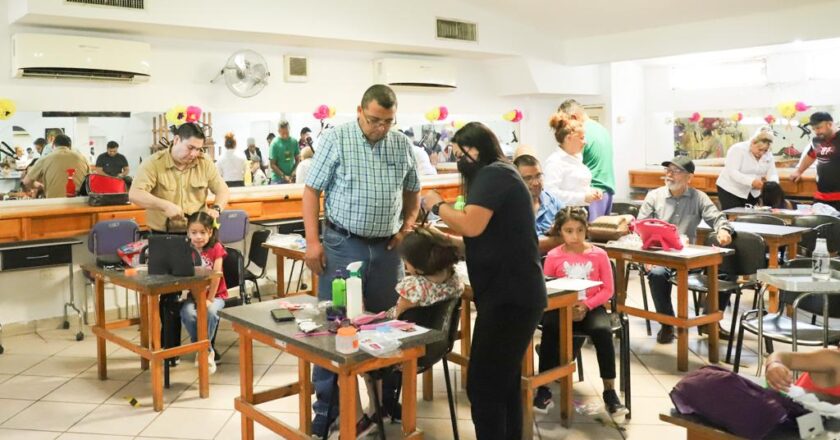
(628,120)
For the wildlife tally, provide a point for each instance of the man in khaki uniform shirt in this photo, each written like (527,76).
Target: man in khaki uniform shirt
(51,171)
(173,183)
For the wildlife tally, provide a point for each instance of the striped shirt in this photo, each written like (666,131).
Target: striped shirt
(363,183)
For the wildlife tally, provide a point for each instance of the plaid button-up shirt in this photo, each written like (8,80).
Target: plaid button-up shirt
(363,183)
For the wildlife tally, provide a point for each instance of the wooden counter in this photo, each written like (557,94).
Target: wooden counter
(705,178)
(73,217)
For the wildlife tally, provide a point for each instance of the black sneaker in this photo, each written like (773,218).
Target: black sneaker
(543,401)
(364,426)
(665,335)
(392,408)
(173,362)
(613,403)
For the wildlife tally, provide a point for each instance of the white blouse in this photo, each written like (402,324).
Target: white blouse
(231,166)
(567,178)
(741,168)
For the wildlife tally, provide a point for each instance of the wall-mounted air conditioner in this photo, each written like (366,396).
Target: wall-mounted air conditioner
(415,73)
(65,56)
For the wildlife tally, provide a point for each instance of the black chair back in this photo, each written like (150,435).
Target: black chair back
(233,267)
(814,303)
(761,219)
(749,254)
(830,233)
(621,208)
(257,254)
(443,316)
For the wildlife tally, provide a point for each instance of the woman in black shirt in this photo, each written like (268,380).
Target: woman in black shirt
(505,274)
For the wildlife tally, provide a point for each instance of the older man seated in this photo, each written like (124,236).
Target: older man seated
(680,204)
(545,205)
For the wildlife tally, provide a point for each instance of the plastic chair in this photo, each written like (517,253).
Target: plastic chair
(233,226)
(831,233)
(443,316)
(623,208)
(104,239)
(621,329)
(778,326)
(258,256)
(748,258)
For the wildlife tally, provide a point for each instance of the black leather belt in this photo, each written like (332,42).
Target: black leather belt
(347,233)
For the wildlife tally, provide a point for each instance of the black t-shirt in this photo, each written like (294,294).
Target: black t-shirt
(112,166)
(827,155)
(504,261)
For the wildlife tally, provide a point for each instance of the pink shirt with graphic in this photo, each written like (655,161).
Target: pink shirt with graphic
(591,265)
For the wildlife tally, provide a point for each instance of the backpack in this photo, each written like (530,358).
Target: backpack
(733,403)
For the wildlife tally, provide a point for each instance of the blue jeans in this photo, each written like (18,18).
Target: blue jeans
(381,270)
(189,317)
(659,279)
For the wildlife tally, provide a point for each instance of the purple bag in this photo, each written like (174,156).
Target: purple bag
(733,403)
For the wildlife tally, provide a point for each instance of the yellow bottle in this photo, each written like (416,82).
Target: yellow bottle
(248,176)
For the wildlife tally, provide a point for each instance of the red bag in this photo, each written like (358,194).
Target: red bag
(99,184)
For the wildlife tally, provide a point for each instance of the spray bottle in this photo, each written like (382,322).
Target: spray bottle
(355,303)
(70,188)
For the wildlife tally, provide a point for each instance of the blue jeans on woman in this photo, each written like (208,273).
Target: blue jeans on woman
(189,317)
(381,270)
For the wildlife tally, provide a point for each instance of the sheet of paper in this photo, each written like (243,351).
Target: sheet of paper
(398,334)
(567,284)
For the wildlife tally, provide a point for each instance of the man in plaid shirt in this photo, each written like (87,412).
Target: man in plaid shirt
(368,174)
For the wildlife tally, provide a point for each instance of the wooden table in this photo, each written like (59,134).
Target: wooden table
(785,214)
(774,236)
(691,257)
(253,323)
(699,429)
(561,301)
(150,287)
(281,253)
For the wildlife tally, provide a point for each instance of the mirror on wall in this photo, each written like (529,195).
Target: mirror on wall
(137,140)
(707,139)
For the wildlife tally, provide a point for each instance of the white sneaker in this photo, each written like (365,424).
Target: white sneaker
(211,362)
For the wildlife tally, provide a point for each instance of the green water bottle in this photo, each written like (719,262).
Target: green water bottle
(459,203)
(339,290)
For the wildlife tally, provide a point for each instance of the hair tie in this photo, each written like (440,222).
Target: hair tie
(216,224)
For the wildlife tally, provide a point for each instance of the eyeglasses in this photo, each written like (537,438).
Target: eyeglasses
(535,178)
(376,122)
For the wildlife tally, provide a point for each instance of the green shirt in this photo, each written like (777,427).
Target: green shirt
(598,156)
(283,153)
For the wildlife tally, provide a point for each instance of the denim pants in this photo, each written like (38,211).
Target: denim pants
(660,289)
(189,317)
(381,270)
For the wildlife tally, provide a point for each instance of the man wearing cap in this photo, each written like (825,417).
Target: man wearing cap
(683,206)
(825,150)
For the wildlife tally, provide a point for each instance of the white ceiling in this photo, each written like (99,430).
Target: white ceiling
(576,19)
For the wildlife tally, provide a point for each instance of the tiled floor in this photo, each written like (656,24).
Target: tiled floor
(49,390)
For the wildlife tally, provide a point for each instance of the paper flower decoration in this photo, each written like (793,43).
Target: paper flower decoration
(7,108)
(787,109)
(801,106)
(737,117)
(437,114)
(804,120)
(193,113)
(695,117)
(770,119)
(458,123)
(323,112)
(514,115)
(176,115)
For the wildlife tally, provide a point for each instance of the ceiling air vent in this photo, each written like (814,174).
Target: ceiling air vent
(127,4)
(456,30)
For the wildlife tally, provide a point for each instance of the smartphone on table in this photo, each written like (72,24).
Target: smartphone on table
(282,315)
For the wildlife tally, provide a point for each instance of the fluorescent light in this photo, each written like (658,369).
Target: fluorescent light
(720,75)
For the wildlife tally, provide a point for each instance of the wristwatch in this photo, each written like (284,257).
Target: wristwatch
(436,207)
(217,208)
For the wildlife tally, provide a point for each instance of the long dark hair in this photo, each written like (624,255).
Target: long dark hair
(208,222)
(480,137)
(773,196)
